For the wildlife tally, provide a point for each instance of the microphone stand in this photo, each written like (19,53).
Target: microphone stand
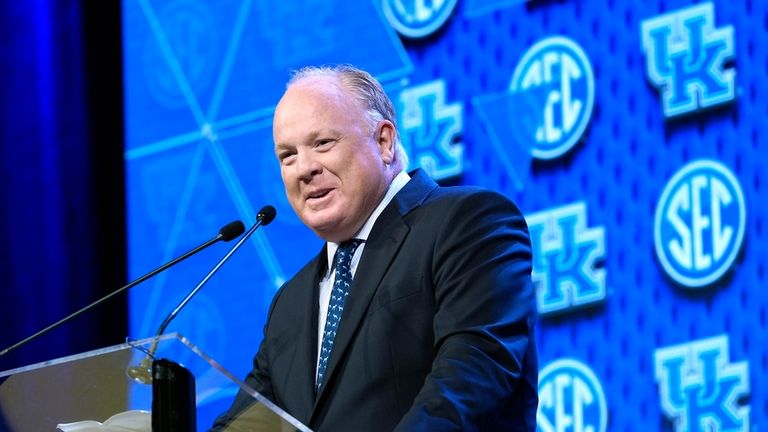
(143,372)
(173,386)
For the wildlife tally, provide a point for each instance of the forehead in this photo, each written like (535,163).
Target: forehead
(315,103)
(323,91)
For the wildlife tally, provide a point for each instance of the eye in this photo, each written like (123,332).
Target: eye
(286,157)
(323,142)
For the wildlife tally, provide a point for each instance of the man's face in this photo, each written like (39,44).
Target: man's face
(331,160)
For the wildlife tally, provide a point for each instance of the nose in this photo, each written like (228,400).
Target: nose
(307,166)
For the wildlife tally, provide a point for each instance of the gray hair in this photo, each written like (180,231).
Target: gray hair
(368,91)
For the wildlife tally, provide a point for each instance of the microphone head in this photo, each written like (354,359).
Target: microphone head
(266,215)
(231,230)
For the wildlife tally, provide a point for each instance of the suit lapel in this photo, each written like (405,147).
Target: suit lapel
(306,346)
(381,248)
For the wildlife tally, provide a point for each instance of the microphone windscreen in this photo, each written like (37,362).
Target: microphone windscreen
(266,214)
(232,230)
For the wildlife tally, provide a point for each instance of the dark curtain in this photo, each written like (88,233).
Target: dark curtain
(62,223)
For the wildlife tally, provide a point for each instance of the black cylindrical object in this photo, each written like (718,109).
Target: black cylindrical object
(173,398)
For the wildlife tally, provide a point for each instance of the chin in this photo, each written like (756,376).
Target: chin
(323,226)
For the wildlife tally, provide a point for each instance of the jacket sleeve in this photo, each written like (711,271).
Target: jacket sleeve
(485,356)
(258,379)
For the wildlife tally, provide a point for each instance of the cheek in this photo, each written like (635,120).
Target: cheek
(290,186)
(286,173)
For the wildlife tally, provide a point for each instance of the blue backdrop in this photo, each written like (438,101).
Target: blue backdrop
(628,132)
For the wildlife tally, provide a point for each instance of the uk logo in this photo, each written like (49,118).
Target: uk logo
(700,388)
(430,129)
(699,224)
(417,18)
(558,75)
(686,58)
(570,398)
(566,258)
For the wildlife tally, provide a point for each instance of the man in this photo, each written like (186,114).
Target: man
(425,322)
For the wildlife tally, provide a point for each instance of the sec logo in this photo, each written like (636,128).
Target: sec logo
(417,18)
(558,76)
(570,398)
(700,223)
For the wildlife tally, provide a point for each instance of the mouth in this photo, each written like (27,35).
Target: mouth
(317,195)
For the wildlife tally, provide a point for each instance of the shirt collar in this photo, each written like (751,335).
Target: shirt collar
(397,183)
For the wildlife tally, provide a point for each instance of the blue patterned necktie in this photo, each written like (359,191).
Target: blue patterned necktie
(343,264)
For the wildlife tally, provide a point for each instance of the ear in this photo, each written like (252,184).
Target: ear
(385,140)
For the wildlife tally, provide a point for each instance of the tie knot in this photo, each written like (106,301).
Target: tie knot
(350,244)
(347,248)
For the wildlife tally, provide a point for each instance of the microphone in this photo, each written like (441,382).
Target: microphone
(229,232)
(142,372)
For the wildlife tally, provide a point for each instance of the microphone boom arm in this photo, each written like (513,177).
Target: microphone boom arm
(143,372)
(219,237)
(192,293)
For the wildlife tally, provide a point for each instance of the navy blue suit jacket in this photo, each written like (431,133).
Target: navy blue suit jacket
(437,331)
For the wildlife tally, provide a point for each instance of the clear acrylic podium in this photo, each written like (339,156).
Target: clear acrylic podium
(96,386)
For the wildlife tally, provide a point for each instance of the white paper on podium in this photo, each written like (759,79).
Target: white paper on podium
(128,421)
